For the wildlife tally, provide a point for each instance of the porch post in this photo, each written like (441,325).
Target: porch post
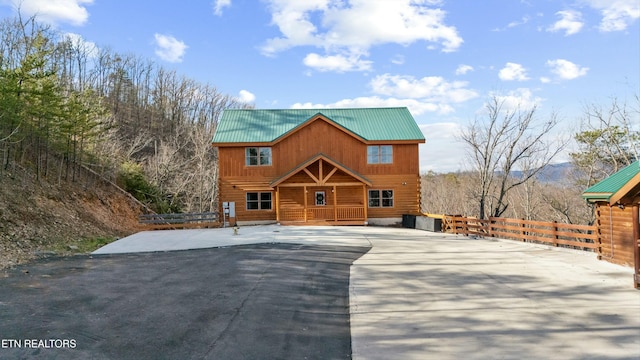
(278,204)
(335,204)
(304,189)
(364,201)
(636,245)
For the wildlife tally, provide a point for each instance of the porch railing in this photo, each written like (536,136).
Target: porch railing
(292,214)
(350,212)
(328,213)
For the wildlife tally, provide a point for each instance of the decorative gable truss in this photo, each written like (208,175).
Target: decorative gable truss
(310,192)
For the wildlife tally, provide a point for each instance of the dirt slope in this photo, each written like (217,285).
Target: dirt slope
(41,218)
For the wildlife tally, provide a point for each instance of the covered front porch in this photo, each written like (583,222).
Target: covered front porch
(321,191)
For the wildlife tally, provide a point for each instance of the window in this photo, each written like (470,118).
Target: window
(321,199)
(380,154)
(380,198)
(258,156)
(258,201)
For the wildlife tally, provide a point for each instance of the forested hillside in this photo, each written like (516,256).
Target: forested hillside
(66,104)
(74,118)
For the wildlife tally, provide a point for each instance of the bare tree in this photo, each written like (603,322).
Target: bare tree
(609,140)
(499,143)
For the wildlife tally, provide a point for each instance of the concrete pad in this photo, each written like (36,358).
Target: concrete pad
(171,240)
(420,295)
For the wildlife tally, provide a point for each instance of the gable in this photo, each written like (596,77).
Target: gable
(312,169)
(268,126)
(623,183)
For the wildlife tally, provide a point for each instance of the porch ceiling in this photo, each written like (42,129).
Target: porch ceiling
(322,177)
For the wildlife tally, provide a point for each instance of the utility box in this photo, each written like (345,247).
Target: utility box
(409,221)
(429,224)
(229,213)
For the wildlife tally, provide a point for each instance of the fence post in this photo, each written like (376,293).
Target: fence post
(555,233)
(523,232)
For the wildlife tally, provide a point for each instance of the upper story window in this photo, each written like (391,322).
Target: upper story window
(258,156)
(380,154)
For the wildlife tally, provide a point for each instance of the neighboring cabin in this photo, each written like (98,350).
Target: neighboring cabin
(323,166)
(617,207)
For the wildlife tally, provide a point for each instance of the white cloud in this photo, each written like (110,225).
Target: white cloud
(337,63)
(428,94)
(78,42)
(566,70)
(353,27)
(170,49)
(524,20)
(463,69)
(430,88)
(73,12)
(416,107)
(521,98)
(513,71)
(218,5)
(570,22)
(617,15)
(246,96)
(398,60)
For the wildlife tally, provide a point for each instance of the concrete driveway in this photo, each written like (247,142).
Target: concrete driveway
(418,295)
(421,295)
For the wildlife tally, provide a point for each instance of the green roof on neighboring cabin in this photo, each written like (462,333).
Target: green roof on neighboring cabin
(610,186)
(263,126)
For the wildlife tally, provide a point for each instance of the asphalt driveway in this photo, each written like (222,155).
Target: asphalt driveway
(261,301)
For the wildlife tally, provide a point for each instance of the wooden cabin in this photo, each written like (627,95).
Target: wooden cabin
(617,207)
(319,166)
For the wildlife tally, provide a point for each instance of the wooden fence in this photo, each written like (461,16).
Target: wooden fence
(582,237)
(179,221)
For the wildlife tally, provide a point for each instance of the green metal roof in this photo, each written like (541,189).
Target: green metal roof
(611,185)
(267,125)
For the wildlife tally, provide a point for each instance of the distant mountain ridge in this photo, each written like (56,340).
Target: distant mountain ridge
(552,173)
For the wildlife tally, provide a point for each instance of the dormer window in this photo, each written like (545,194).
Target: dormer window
(380,154)
(258,156)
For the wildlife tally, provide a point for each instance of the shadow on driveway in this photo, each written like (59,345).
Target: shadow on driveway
(242,302)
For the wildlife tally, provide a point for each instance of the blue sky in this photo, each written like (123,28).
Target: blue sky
(442,59)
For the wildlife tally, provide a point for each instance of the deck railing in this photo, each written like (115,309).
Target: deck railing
(583,237)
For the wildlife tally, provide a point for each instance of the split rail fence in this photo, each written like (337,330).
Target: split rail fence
(179,221)
(581,237)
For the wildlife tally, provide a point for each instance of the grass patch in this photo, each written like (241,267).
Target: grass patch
(81,246)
